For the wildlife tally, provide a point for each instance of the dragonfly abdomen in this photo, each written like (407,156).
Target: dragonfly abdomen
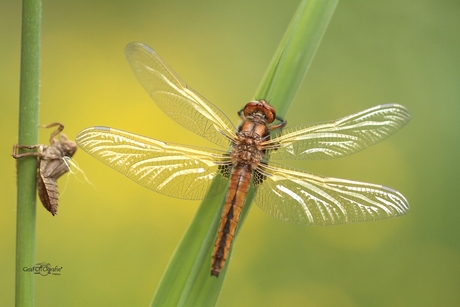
(48,193)
(239,186)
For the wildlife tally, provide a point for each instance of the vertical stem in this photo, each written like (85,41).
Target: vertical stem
(28,135)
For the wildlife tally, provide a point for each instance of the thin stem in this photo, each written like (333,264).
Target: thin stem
(28,135)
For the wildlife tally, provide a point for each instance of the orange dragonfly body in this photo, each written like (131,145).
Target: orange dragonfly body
(186,171)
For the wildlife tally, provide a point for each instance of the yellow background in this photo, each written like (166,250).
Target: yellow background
(114,241)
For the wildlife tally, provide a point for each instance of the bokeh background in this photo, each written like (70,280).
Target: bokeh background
(114,240)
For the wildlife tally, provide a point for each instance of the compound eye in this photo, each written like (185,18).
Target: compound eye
(270,111)
(260,106)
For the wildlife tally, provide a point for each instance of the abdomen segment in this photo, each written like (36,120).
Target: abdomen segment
(239,186)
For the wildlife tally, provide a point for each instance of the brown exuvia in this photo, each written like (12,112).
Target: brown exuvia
(51,165)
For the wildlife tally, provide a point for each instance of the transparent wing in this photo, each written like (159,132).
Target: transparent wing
(303,198)
(341,137)
(174,170)
(173,96)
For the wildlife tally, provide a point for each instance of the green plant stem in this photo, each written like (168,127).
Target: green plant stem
(187,280)
(28,135)
(295,52)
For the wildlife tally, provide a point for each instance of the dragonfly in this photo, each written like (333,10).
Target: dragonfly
(288,194)
(52,164)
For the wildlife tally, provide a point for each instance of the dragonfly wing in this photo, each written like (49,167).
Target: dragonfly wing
(171,169)
(173,96)
(341,137)
(304,198)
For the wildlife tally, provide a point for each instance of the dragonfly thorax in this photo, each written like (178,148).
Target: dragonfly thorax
(247,148)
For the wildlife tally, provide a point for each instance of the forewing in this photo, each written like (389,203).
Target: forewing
(303,198)
(341,137)
(171,169)
(184,105)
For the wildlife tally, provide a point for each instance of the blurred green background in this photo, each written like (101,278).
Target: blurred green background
(114,241)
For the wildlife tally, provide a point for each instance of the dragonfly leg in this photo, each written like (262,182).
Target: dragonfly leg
(17,155)
(55,132)
(280,125)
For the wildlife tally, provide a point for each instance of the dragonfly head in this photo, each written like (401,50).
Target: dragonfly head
(261,107)
(68,147)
